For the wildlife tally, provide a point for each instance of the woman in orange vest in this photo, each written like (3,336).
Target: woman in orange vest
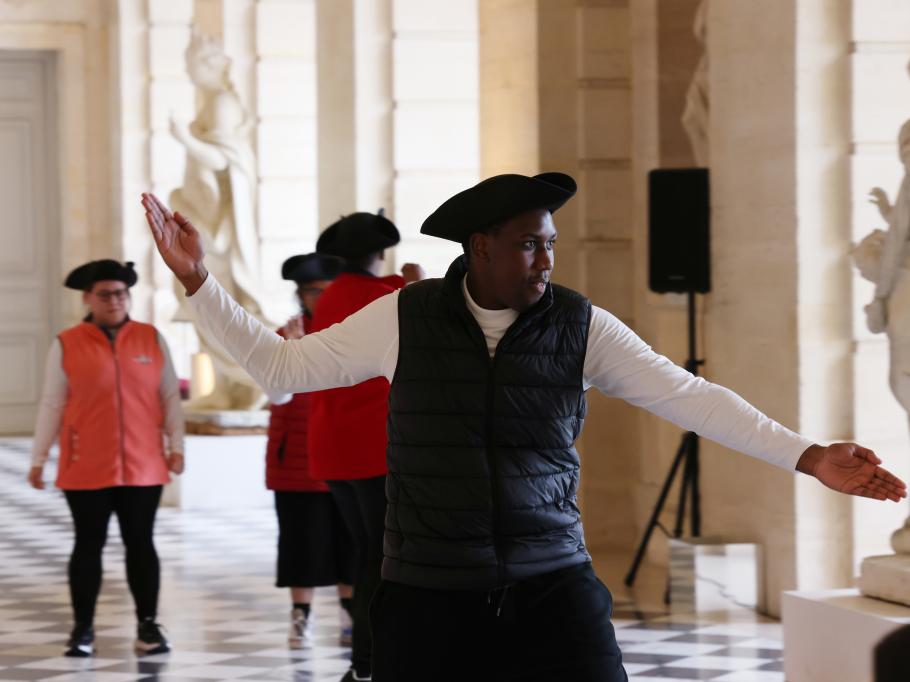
(314,547)
(112,400)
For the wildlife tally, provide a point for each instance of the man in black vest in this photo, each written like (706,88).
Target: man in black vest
(486,575)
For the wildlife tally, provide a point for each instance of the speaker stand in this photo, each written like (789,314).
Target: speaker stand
(686,454)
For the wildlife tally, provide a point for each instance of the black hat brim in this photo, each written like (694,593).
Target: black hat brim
(83,277)
(496,200)
(311,267)
(358,235)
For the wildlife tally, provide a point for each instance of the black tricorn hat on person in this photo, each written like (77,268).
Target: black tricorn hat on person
(83,277)
(358,235)
(311,267)
(495,200)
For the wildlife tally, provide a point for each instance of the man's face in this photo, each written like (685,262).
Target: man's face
(108,301)
(309,292)
(519,258)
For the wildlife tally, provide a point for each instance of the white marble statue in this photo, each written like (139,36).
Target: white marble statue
(884,259)
(219,196)
(695,117)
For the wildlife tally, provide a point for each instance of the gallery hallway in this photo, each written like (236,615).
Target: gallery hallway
(226,621)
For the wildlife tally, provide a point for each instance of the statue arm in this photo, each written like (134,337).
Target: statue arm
(206,154)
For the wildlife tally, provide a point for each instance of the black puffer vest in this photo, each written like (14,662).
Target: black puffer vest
(483,471)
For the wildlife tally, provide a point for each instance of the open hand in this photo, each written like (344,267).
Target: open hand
(852,469)
(879,197)
(412,272)
(178,242)
(293,328)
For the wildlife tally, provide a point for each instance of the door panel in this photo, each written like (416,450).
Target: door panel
(28,231)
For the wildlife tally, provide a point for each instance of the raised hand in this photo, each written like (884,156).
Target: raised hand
(852,469)
(412,272)
(879,197)
(178,242)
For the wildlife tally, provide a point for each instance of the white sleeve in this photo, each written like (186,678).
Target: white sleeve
(620,364)
(169,393)
(364,346)
(50,409)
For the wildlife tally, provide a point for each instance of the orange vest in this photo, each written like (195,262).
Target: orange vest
(111,433)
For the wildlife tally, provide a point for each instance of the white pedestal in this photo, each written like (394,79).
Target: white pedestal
(222,472)
(886,577)
(712,575)
(829,635)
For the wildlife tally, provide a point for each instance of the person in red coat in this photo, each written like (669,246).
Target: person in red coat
(314,546)
(347,436)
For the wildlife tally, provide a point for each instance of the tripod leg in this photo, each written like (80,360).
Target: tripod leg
(684,487)
(655,515)
(696,492)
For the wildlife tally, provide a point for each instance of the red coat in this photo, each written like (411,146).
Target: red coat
(286,462)
(348,436)
(113,419)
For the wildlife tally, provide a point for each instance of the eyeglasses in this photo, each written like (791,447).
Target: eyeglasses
(116,294)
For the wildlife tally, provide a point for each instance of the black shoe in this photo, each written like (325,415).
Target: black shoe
(351,676)
(149,638)
(81,643)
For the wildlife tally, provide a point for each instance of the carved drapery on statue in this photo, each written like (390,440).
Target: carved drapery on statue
(219,196)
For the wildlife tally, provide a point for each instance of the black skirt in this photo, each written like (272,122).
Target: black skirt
(314,547)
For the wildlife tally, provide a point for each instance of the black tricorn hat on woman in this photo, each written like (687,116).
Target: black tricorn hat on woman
(496,200)
(358,235)
(83,277)
(311,267)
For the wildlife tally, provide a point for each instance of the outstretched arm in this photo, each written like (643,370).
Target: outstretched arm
(620,364)
(360,348)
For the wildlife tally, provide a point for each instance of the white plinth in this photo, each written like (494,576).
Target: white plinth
(222,472)
(886,577)
(829,635)
(709,575)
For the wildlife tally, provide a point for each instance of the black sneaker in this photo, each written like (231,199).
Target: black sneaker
(150,639)
(81,643)
(352,676)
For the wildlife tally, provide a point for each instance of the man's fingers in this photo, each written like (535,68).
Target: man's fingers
(883,490)
(866,454)
(184,223)
(885,475)
(866,491)
(156,231)
(165,211)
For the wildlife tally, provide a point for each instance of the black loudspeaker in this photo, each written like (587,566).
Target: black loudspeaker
(679,216)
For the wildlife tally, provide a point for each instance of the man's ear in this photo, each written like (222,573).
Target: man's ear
(479,244)
(382,255)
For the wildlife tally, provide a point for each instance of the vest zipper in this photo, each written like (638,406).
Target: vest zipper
(494,470)
(119,410)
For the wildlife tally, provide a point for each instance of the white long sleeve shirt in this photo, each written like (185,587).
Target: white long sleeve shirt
(56,388)
(617,362)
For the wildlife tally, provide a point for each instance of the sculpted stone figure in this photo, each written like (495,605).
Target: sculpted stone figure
(219,196)
(695,118)
(884,259)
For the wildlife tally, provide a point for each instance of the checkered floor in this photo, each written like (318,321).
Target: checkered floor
(226,621)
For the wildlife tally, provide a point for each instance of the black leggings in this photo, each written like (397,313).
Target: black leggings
(362,506)
(135,507)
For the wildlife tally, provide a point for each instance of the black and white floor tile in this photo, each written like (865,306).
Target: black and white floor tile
(227,621)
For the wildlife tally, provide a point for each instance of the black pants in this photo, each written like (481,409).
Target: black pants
(554,627)
(362,506)
(135,507)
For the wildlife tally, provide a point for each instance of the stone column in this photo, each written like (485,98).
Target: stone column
(555,96)
(355,124)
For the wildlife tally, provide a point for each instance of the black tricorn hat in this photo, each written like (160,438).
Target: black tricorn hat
(311,267)
(497,199)
(83,277)
(358,235)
